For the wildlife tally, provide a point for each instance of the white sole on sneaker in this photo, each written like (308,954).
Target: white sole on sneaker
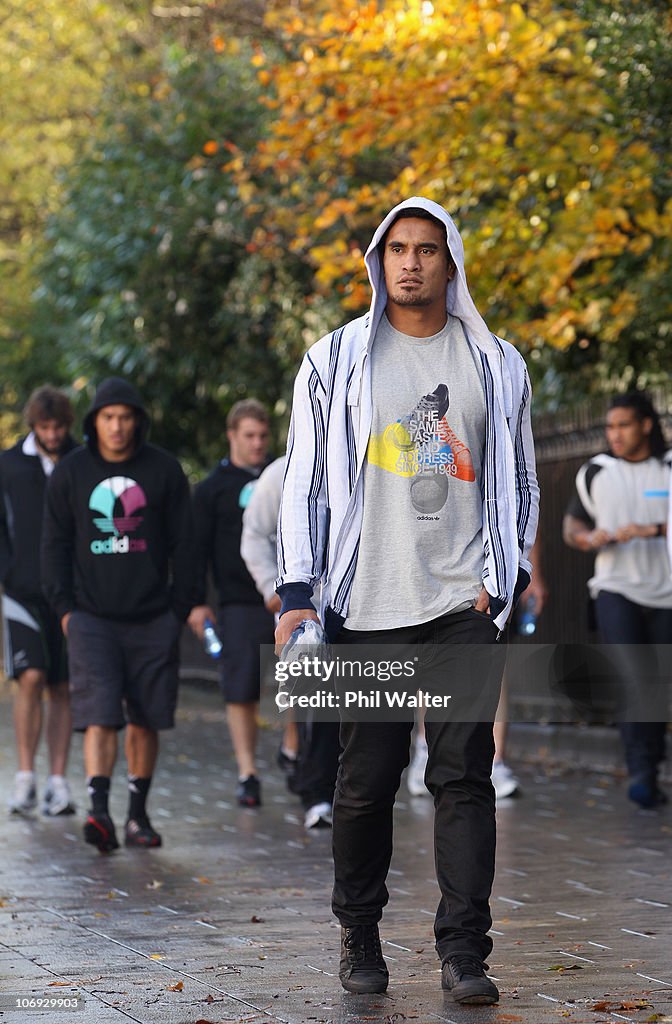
(318,816)
(504,781)
(415,777)
(24,800)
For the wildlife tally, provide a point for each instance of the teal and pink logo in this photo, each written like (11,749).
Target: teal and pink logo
(118,500)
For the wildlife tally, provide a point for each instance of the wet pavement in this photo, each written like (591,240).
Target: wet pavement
(230,920)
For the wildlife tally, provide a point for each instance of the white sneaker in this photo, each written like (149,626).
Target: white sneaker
(57,797)
(24,799)
(504,781)
(415,777)
(318,816)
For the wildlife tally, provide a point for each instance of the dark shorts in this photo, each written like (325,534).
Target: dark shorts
(123,671)
(32,638)
(243,628)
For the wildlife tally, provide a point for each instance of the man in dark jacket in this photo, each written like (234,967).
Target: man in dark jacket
(33,643)
(244,622)
(117,565)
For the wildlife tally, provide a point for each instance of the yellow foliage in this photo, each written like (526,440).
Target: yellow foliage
(497,111)
(55,61)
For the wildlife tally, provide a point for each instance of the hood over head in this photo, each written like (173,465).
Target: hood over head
(458,299)
(115,391)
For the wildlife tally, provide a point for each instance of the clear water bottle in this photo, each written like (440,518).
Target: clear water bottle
(308,637)
(527,623)
(308,641)
(211,642)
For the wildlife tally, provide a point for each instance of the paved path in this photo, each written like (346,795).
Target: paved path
(230,920)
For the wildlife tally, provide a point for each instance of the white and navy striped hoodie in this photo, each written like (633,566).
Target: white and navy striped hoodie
(322,504)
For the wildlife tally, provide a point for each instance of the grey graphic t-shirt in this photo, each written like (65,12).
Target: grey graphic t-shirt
(421,548)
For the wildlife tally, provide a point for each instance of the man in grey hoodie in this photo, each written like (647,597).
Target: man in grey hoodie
(411,497)
(312,774)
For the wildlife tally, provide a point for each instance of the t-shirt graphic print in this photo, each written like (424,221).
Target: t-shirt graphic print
(423,447)
(421,550)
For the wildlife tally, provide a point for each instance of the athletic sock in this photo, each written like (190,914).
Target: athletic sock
(137,797)
(98,787)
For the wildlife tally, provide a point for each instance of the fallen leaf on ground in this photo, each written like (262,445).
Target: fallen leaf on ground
(177,987)
(60,984)
(561,968)
(607,1006)
(157,956)
(256,920)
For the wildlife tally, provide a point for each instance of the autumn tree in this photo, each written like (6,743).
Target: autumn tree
(503,113)
(55,61)
(152,271)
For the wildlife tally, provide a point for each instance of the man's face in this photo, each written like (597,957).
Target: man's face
(248,443)
(50,436)
(416,263)
(115,429)
(627,436)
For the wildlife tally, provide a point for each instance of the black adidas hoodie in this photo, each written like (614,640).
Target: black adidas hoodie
(118,536)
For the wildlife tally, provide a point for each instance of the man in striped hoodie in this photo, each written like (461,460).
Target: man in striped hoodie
(411,495)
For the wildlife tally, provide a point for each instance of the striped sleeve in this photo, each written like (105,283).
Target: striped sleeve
(303,521)
(494,551)
(527,487)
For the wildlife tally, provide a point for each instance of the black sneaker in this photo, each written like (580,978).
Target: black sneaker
(139,832)
(362,968)
(288,766)
(99,830)
(248,793)
(464,976)
(644,790)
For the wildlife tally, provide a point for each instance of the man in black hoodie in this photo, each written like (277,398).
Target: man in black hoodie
(117,566)
(33,643)
(244,622)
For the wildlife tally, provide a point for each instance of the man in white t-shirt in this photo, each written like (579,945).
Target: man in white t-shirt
(619,511)
(411,497)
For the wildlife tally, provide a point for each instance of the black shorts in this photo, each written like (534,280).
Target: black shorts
(123,671)
(33,638)
(243,628)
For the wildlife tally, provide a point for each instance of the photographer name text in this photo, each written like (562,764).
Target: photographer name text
(361,699)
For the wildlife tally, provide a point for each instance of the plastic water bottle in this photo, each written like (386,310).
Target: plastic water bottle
(527,624)
(308,634)
(308,641)
(211,642)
